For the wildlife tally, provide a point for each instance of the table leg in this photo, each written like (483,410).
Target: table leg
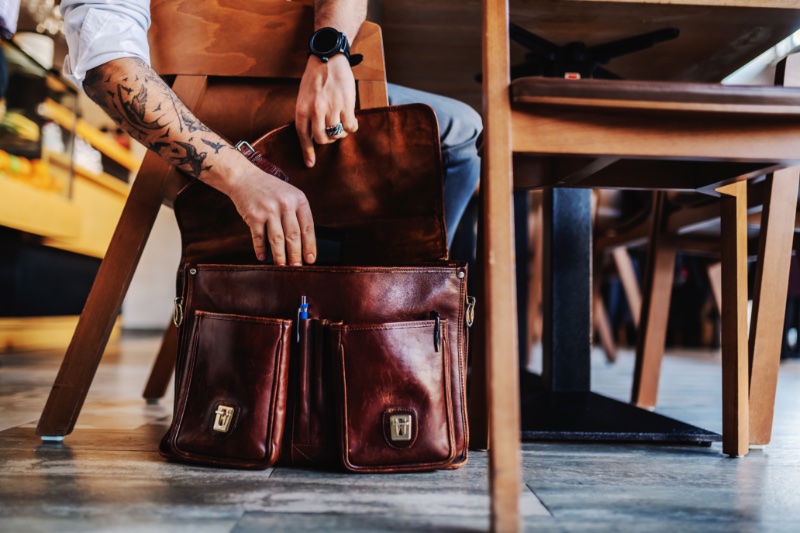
(567,289)
(735,379)
(559,405)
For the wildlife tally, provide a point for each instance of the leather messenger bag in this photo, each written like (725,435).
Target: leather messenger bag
(359,364)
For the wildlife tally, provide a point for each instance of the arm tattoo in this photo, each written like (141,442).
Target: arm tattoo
(216,146)
(137,99)
(191,158)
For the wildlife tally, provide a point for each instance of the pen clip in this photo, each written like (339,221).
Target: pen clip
(437,330)
(302,314)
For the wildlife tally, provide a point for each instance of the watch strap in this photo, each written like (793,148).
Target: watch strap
(355,59)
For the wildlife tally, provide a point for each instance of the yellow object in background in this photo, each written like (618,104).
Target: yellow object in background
(22,126)
(35,173)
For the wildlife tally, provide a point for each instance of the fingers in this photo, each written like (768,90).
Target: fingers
(257,233)
(349,121)
(290,237)
(318,125)
(334,116)
(293,238)
(278,215)
(306,222)
(303,126)
(277,241)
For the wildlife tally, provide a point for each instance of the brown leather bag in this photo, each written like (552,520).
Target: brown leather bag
(374,379)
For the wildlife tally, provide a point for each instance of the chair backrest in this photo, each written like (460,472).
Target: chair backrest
(254,54)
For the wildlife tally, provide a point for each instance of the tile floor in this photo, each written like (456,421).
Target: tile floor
(107,475)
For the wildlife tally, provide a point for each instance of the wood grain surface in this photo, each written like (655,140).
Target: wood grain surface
(436,46)
(498,269)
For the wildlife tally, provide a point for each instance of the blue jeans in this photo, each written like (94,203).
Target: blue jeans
(459,127)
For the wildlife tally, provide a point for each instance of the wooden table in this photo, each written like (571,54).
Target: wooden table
(436,46)
(717,37)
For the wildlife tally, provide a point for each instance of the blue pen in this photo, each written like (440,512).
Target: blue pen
(302,314)
(303,311)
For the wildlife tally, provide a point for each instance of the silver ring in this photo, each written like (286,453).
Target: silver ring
(333,131)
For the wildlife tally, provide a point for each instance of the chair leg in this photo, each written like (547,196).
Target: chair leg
(535,286)
(714,271)
(111,283)
(735,410)
(599,316)
(163,366)
(630,285)
(769,299)
(105,299)
(659,273)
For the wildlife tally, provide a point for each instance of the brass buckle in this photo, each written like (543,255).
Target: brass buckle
(223,420)
(177,313)
(470,314)
(400,427)
(242,144)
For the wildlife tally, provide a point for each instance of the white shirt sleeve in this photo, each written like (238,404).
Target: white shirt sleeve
(99,31)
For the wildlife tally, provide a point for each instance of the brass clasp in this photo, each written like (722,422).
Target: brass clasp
(400,427)
(223,420)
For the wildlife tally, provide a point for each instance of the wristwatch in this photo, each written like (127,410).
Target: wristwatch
(327,42)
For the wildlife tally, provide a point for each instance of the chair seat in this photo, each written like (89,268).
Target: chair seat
(649,135)
(657,96)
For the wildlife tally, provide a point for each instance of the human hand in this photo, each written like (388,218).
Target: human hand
(269,205)
(327,97)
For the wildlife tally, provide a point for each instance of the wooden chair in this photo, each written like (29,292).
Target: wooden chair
(239,87)
(592,133)
(678,216)
(680,220)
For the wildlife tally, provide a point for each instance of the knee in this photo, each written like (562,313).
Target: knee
(461,125)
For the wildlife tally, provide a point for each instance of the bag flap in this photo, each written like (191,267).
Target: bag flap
(382,186)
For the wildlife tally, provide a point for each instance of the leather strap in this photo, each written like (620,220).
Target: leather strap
(260,161)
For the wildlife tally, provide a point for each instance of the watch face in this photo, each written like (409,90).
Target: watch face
(325,41)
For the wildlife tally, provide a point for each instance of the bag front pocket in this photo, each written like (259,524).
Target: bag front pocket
(307,439)
(393,381)
(233,402)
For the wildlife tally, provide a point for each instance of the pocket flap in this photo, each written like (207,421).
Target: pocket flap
(233,402)
(394,384)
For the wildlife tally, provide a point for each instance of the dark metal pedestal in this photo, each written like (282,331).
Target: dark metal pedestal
(559,405)
(587,416)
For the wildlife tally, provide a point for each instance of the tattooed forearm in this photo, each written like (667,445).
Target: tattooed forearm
(139,101)
(134,109)
(191,158)
(216,146)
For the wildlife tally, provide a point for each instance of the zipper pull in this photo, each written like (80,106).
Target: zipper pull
(470,313)
(177,313)
(437,330)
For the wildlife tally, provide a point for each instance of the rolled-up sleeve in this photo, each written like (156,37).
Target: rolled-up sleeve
(103,30)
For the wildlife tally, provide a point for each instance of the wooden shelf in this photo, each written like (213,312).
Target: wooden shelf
(66,119)
(28,209)
(99,198)
(106,180)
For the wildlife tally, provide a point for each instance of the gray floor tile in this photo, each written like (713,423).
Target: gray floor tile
(108,476)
